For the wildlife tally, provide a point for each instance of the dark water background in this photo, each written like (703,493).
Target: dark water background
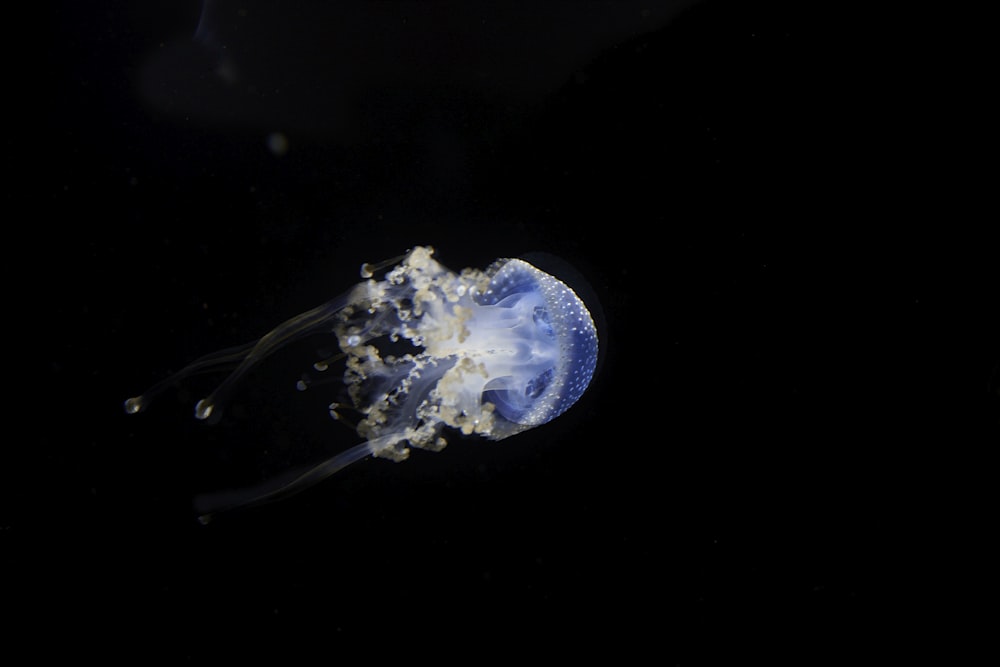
(733,179)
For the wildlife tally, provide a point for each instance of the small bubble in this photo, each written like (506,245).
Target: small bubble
(277,143)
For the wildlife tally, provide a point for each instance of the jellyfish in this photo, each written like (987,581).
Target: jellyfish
(425,350)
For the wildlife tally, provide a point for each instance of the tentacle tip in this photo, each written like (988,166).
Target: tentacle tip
(203,410)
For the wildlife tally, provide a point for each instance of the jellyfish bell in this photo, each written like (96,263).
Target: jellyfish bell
(425,350)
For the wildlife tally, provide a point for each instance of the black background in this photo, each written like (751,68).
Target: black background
(740,185)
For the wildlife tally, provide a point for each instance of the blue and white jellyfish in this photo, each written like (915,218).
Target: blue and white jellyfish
(489,353)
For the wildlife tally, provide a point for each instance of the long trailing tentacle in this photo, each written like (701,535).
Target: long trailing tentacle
(210,504)
(244,357)
(222,359)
